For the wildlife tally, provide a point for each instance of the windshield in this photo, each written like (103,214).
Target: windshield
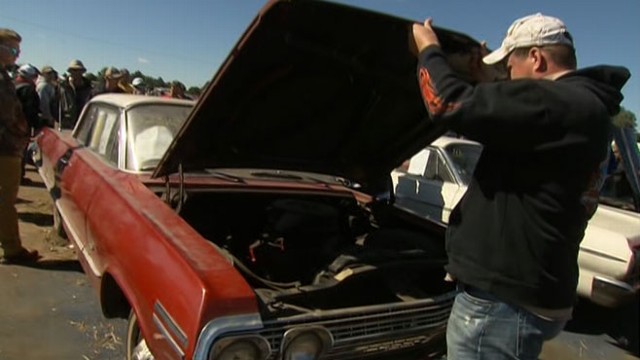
(465,157)
(151,128)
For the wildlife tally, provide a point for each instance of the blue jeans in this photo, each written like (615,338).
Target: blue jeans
(482,327)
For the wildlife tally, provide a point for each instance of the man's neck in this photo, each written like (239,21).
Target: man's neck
(557,74)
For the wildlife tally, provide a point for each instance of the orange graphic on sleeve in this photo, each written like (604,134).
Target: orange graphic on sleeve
(435,104)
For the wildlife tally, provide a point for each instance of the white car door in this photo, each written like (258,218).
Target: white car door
(427,186)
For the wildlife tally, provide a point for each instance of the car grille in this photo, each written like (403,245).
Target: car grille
(370,331)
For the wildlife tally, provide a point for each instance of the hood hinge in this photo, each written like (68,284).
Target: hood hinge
(181,194)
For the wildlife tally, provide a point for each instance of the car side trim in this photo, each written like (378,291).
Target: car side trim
(602,254)
(73,234)
(167,335)
(173,329)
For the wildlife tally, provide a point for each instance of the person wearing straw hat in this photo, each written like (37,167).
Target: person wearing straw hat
(75,92)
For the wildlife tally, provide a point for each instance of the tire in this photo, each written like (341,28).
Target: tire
(136,345)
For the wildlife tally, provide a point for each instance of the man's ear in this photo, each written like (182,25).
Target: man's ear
(538,59)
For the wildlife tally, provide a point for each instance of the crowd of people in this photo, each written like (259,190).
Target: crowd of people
(32,98)
(49,99)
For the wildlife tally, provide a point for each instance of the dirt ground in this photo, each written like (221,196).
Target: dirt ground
(48,310)
(34,211)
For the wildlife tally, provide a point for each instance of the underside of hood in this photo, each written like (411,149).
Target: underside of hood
(313,86)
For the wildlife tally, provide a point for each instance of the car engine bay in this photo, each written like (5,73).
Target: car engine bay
(304,252)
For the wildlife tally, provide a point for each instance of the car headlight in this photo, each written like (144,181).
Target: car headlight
(241,348)
(306,343)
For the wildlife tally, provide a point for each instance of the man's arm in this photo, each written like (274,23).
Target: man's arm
(45,94)
(492,113)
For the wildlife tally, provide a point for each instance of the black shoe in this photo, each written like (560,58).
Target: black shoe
(23,257)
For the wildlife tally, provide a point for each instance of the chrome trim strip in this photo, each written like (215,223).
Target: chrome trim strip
(177,333)
(81,246)
(218,327)
(614,283)
(47,184)
(599,253)
(165,334)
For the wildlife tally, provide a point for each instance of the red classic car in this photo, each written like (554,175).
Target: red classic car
(266,230)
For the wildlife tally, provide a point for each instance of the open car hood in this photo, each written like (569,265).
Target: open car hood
(313,86)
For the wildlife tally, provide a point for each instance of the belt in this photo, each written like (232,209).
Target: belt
(476,292)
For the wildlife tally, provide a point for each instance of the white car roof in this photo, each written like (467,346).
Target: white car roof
(129,100)
(445,141)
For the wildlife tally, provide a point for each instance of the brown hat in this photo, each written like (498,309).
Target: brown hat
(47,69)
(112,73)
(76,65)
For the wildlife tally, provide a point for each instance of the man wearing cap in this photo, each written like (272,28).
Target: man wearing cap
(125,82)
(48,93)
(513,240)
(138,86)
(25,82)
(14,137)
(177,90)
(75,92)
(111,84)
(26,90)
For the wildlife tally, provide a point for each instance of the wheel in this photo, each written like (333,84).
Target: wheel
(58,228)
(136,345)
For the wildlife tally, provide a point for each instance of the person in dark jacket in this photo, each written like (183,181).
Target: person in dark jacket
(75,92)
(26,90)
(47,87)
(14,136)
(513,240)
(30,100)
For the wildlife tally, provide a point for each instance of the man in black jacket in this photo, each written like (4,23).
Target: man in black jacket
(75,92)
(513,240)
(30,100)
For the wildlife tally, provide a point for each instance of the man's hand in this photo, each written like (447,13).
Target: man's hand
(424,36)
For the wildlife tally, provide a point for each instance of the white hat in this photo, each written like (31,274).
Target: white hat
(137,82)
(28,71)
(532,30)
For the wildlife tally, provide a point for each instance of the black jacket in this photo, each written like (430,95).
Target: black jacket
(72,101)
(30,100)
(517,230)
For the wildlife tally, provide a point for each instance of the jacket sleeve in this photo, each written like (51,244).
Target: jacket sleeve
(14,134)
(46,96)
(30,105)
(492,113)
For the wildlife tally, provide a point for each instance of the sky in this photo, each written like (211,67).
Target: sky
(187,40)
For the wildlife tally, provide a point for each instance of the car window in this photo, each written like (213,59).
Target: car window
(98,130)
(436,168)
(85,126)
(151,129)
(108,130)
(418,162)
(465,158)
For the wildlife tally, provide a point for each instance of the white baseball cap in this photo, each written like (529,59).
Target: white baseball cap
(28,71)
(532,30)
(137,82)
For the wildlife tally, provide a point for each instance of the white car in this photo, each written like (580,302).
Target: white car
(434,180)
